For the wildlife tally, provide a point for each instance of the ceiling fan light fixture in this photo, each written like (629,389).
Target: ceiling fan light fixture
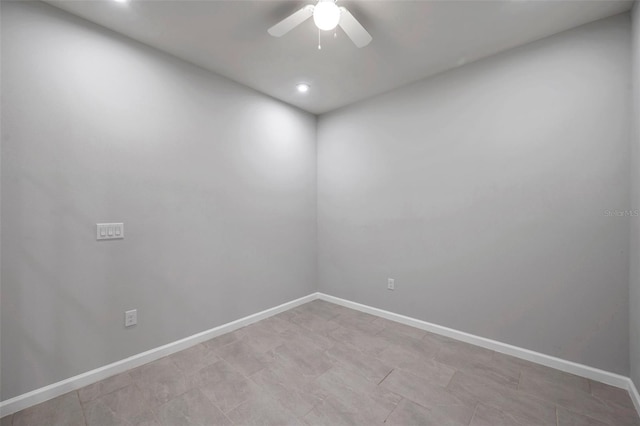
(326,15)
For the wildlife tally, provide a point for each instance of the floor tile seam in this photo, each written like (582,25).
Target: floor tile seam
(394,408)
(371,320)
(154,410)
(84,416)
(470,363)
(524,394)
(212,403)
(250,376)
(262,388)
(327,391)
(488,402)
(226,417)
(362,375)
(225,413)
(154,415)
(470,372)
(582,392)
(83,408)
(314,405)
(132,382)
(188,374)
(475,410)
(355,348)
(509,413)
(377,333)
(235,370)
(451,379)
(156,407)
(540,372)
(273,400)
(613,404)
(455,370)
(230,367)
(581,414)
(609,402)
(444,388)
(517,391)
(83,405)
(215,350)
(318,316)
(333,317)
(288,410)
(435,357)
(430,409)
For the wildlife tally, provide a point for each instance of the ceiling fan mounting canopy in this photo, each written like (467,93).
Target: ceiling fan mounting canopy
(326,16)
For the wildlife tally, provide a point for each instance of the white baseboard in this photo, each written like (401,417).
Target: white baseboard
(596,374)
(635,397)
(46,393)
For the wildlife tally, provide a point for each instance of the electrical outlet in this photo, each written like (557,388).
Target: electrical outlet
(391,284)
(131,318)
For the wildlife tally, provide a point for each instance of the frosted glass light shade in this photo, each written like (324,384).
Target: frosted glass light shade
(326,15)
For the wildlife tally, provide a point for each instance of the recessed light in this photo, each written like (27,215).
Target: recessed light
(121,1)
(303,87)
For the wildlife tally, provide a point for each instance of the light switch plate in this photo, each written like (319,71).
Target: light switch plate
(109,231)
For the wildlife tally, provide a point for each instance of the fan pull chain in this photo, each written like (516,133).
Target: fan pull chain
(319,43)
(335,33)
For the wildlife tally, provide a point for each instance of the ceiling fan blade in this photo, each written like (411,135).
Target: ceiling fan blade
(354,30)
(292,21)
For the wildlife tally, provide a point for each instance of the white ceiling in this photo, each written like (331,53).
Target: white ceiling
(411,39)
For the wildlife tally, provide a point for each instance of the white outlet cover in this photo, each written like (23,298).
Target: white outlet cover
(391,284)
(131,318)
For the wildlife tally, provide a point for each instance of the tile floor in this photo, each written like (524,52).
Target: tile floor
(322,364)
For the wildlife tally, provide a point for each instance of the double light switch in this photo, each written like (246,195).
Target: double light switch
(109,231)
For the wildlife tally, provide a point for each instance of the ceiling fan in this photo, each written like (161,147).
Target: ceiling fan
(326,15)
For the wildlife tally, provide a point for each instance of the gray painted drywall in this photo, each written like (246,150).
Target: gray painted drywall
(482,191)
(216,185)
(634,288)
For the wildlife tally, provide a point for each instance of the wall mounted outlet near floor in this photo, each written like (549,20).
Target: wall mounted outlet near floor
(131,318)
(391,284)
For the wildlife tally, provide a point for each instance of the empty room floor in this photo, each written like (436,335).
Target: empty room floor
(324,364)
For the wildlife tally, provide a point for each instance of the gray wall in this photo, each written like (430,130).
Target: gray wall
(634,296)
(482,191)
(216,185)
